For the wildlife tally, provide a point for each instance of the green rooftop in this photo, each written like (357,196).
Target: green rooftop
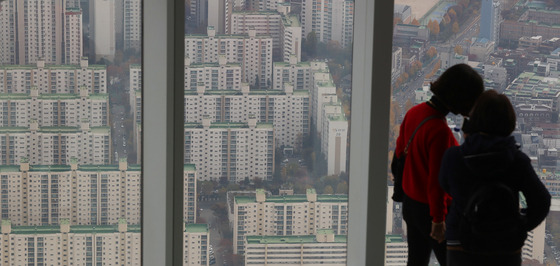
(189,167)
(101,130)
(393,239)
(14,96)
(59,129)
(48,168)
(291,21)
(12,130)
(196,228)
(301,239)
(9,168)
(287,64)
(52,67)
(293,199)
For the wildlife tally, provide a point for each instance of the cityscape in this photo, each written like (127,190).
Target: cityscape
(267,115)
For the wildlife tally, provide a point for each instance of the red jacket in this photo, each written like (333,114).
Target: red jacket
(421,171)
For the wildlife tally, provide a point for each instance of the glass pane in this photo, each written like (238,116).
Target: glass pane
(70,180)
(518,61)
(267,111)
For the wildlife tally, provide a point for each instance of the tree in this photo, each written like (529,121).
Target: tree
(311,44)
(415,22)
(452,14)
(458,49)
(455,27)
(328,190)
(432,51)
(342,188)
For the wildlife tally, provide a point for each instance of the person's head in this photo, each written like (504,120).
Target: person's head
(492,114)
(458,88)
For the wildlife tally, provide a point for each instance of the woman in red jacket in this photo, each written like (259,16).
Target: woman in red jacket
(425,203)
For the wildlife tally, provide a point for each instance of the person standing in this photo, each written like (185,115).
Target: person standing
(425,202)
(490,154)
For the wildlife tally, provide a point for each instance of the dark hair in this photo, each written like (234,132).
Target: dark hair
(458,88)
(492,114)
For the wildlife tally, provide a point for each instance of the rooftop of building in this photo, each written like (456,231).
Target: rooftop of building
(65,168)
(203,65)
(342,198)
(225,36)
(529,84)
(291,21)
(196,228)
(189,167)
(393,239)
(287,64)
(251,12)
(52,96)
(76,229)
(52,67)
(293,239)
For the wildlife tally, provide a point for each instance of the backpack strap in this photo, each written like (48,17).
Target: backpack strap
(415,130)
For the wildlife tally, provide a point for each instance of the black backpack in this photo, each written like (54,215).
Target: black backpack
(491,221)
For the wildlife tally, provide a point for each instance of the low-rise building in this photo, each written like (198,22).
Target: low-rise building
(323,248)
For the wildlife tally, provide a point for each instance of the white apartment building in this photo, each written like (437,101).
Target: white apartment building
(299,74)
(132,24)
(39,30)
(252,52)
(71,245)
(396,63)
(262,5)
(55,145)
(533,249)
(103,28)
(285,29)
(230,150)
(330,20)
(482,48)
(396,250)
(189,193)
(323,248)
(196,249)
(73,44)
(53,78)
(50,110)
(286,215)
(214,76)
(334,137)
(287,110)
(82,194)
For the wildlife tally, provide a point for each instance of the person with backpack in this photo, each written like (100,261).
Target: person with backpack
(486,225)
(424,136)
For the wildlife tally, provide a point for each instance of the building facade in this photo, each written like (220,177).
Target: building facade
(299,74)
(52,110)
(252,52)
(53,78)
(231,151)
(330,20)
(323,248)
(71,245)
(286,110)
(334,136)
(213,76)
(491,19)
(39,30)
(196,249)
(102,22)
(132,25)
(296,215)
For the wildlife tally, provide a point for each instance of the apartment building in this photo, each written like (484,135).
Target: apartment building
(73,45)
(299,74)
(324,91)
(330,20)
(214,76)
(323,248)
(54,110)
(252,52)
(34,195)
(102,23)
(287,110)
(287,215)
(334,137)
(490,17)
(531,88)
(229,150)
(396,250)
(39,30)
(132,25)
(53,78)
(285,29)
(196,247)
(67,244)
(533,249)
(55,145)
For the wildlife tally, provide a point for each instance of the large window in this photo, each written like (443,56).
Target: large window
(196,143)
(489,35)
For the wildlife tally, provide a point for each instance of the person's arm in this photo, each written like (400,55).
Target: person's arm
(536,195)
(444,171)
(439,141)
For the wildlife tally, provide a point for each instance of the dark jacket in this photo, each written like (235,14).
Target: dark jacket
(496,157)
